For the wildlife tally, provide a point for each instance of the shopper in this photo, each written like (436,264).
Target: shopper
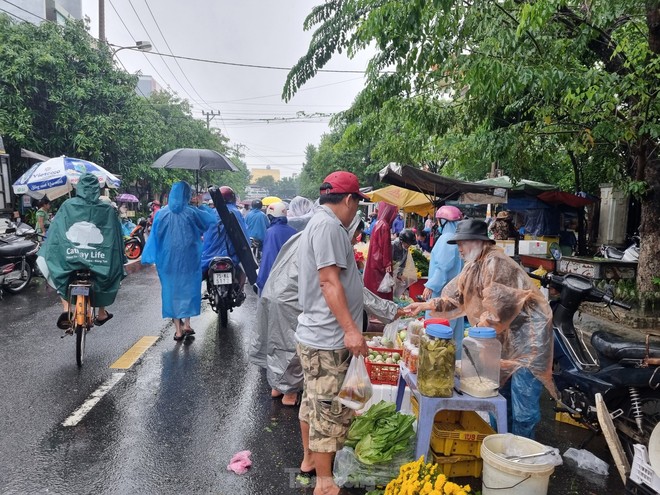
(43,217)
(494,291)
(398,224)
(277,234)
(379,256)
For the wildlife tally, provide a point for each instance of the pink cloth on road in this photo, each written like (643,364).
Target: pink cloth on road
(240,462)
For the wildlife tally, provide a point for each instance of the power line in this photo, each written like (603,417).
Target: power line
(21,8)
(11,14)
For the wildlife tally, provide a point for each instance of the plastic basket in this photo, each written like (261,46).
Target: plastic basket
(641,471)
(457,466)
(459,433)
(382,373)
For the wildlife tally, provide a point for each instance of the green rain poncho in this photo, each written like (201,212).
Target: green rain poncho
(86,234)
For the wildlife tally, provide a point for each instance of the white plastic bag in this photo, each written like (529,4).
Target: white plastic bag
(386,284)
(407,278)
(356,390)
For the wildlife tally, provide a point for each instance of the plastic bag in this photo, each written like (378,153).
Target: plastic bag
(350,472)
(386,284)
(407,277)
(586,460)
(356,390)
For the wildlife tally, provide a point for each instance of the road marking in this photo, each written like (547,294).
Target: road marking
(129,358)
(93,399)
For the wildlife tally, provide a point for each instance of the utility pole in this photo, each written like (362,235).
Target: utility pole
(210,116)
(102,21)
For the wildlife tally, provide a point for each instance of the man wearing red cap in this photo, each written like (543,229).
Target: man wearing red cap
(328,332)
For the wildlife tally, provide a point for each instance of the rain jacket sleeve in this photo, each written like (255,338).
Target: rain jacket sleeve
(276,235)
(379,256)
(86,234)
(256,222)
(175,246)
(494,291)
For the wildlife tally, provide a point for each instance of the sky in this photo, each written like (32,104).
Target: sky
(255,32)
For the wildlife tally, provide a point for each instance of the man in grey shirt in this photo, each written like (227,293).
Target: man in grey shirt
(328,332)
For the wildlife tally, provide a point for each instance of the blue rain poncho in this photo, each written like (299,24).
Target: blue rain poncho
(216,240)
(175,246)
(446,264)
(257,223)
(276,235)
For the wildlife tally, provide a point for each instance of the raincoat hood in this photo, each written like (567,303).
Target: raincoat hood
(180,196)
(278,221)
(88,188)
(387,213)
(300,206)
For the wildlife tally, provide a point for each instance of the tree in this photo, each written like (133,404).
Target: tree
(267,182)
(550,87)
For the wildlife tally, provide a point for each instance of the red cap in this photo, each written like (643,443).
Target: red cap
(342,183)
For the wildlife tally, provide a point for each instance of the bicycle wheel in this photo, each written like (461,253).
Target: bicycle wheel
(81,335)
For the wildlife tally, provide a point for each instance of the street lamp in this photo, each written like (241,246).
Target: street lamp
(143,46)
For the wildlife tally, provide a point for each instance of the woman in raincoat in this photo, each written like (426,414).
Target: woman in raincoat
(175,246)
(446,264)
(273,344)
(379,256)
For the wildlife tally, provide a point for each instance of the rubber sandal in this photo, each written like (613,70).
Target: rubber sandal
(189,331)
(99,323)
(180,337)
(63,322)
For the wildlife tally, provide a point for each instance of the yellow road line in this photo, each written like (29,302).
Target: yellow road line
(134,353)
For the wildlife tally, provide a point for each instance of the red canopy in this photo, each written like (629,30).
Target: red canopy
(564,198)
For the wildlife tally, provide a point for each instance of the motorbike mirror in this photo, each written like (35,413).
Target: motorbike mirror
(555,251)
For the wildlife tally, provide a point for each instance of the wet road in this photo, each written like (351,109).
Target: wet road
(173,421)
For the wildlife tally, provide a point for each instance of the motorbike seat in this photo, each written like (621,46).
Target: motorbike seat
(16,248)
(617,348)
(613,253)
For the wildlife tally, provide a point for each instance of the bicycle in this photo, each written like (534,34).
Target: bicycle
(81,312)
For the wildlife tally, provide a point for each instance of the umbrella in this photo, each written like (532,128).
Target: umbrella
(58,176)
(269,200)
(407,200)
(196,159)
(127,198)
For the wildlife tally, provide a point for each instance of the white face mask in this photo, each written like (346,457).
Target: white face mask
(470,250)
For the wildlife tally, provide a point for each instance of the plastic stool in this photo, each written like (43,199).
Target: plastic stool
(429,406)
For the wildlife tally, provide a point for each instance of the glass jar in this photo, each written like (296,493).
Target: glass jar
(414,359)
(480,363)
(435,369)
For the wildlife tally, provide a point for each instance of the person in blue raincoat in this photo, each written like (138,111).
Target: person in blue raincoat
(256,221)
(277,234)
(445,264)
(175,246)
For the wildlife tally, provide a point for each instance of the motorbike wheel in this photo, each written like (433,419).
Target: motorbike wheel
(650,407)
(15,281)
(81,335)
(133,250)
(223,311)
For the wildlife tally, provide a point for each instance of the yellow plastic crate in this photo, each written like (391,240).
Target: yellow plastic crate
(457,466)
(459,433)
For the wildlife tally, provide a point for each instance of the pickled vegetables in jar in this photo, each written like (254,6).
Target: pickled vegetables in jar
(437,354)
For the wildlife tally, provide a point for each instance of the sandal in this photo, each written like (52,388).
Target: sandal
(188,331)
(180,337)
(99,323)
(63,322)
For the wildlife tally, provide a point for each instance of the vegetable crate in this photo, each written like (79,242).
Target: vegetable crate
(383,373)
(457,466)
(459,433)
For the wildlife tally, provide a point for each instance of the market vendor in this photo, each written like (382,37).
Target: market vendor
(494,291)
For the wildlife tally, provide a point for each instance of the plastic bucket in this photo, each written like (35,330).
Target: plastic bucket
(504,477)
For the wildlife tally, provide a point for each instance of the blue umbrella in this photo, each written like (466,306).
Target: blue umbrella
(58,176)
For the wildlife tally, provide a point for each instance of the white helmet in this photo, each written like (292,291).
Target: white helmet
(276,210)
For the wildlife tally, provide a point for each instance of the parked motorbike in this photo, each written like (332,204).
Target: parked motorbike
(630,254)
(224,288)
(134,244)
(256,245)
(18,258)
(627,374)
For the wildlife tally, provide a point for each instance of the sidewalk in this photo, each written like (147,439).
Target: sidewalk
(589,323)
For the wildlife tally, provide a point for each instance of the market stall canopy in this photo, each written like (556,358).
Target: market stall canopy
(530,187)
(565,198)
(33,156)
(437,187)
(405,199)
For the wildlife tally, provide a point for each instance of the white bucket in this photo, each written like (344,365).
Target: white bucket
(504,477)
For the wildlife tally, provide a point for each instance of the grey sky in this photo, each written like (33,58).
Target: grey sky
(258,32)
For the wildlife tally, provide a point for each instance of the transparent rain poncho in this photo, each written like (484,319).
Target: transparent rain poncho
(299,212)
(494,291)
(175,246)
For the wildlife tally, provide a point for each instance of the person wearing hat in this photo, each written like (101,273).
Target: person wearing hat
(329,327)
(494,291)
(502,227)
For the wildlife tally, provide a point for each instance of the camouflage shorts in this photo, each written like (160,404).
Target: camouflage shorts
(328,420)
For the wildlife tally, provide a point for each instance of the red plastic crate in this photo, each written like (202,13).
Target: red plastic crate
(382,373)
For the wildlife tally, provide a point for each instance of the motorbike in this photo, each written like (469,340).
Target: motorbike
(134,243)
(18,258)
(224,288)
(626,374)
(630,254)
(256,246)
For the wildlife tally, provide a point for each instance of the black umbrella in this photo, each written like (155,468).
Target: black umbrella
(196,159)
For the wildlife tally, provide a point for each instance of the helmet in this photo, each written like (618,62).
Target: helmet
(257,204)
(228,194)
(276,210)
(407,236)
(450,213)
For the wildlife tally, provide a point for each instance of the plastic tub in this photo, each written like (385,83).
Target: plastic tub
(504,477)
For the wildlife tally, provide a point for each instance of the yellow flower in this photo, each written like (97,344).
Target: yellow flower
(439,481)
(450,488)
(467,488)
